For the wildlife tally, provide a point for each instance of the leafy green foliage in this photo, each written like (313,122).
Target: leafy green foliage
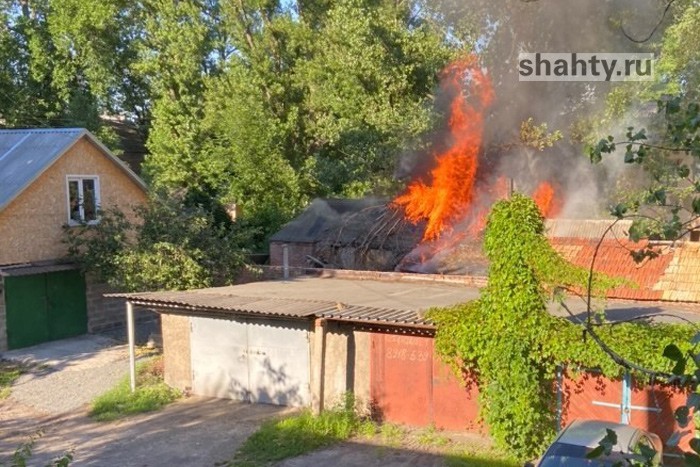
(605,446)
(315,101)
(169,245)
(151,394)
(669,204)
(513,345)
(537,136)
(299,434)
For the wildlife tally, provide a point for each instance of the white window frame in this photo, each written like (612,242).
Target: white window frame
(79,179)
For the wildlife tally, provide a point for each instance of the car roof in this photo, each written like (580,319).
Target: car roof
(589,433)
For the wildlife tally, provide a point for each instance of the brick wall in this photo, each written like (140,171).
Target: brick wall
(3,317)
(176,351)
(297,254)
(107,313)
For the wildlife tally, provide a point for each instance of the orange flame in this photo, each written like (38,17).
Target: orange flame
(545,199)
(451,191)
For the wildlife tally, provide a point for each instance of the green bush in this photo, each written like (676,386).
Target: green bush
(169,245)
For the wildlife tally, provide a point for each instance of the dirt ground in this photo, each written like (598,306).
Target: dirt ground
(193,432)
(53,399)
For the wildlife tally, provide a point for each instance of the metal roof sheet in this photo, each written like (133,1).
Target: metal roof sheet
(377,302)
(32,269)
(201,300)
(25,154)
(587,228)
(378,315)
(213,301)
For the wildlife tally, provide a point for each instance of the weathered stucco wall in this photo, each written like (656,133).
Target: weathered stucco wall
(31,226)
(347,362)
(176,351)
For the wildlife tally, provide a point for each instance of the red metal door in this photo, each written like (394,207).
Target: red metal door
(410,385)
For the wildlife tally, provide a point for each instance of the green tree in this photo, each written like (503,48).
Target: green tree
(337,92)
(66,63)
(173,57)
(170,245)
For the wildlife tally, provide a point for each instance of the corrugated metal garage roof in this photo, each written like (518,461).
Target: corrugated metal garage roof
(366,314)
(200,300)
(26,154)
(338,299)
(368,301)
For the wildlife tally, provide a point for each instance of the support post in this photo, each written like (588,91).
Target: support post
(625,407)
(319,363)
(560,397)
(132,350)
(285,261)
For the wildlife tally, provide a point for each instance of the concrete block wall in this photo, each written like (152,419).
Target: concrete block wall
(3,317)
(103,313)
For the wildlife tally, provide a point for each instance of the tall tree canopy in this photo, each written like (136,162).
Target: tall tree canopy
(265,103)
(268,103)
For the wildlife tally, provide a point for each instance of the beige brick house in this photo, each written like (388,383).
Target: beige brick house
(50,178)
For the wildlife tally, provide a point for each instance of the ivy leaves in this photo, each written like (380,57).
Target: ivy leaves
(670,203)
(510,341)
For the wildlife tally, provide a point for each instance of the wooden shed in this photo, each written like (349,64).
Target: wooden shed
(364,234)
(50,178)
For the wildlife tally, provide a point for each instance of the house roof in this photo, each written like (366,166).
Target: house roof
(28,153)
(671,276)
(378,302)
(317,221)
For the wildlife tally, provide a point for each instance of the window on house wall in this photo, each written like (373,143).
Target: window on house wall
(83,199)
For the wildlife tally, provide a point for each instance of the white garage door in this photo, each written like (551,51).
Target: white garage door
(254,360)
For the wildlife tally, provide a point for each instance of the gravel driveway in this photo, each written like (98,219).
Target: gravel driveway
(55,396)
(69,373)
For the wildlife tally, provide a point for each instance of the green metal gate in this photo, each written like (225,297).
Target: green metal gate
(44,307)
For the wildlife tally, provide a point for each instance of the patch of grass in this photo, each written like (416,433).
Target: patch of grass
(151,394)
(300,434)
(9,372)
(392,435)
(432,437)
(479,457)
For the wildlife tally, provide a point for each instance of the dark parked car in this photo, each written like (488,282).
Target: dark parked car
(582,436)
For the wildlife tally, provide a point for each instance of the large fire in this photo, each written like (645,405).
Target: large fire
(444,202)
(545,199)
(450,195)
